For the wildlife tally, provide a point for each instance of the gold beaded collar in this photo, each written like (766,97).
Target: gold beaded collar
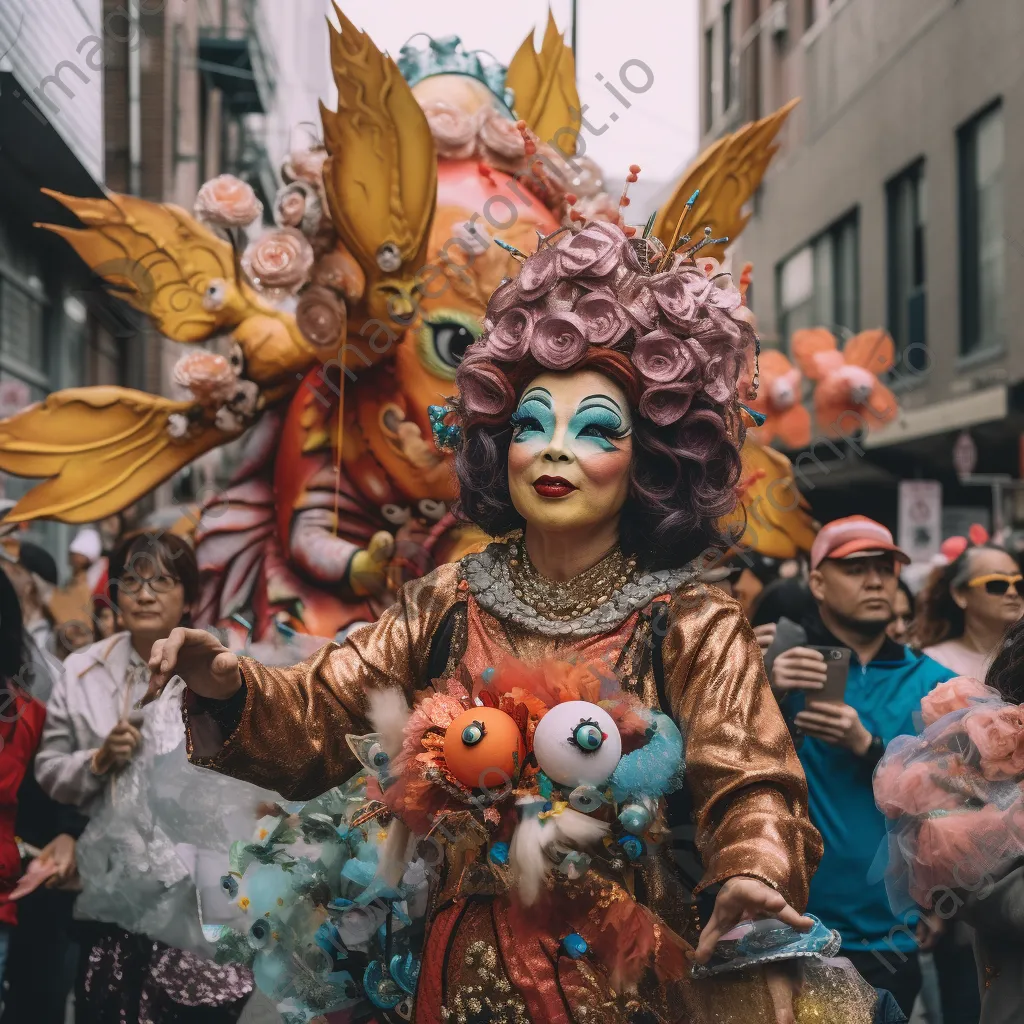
(506,585)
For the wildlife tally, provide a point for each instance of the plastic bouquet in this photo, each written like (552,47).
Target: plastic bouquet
(953,795)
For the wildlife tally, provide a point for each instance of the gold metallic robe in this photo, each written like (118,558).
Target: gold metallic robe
(748,790)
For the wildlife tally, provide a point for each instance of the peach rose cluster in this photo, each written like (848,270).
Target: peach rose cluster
(590,288)
(227,202)
(278,262)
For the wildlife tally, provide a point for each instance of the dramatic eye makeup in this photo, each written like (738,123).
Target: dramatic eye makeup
(600,420)
(535,417)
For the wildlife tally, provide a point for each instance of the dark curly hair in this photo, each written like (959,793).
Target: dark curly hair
(938,616)
(1006,673)
(675,340)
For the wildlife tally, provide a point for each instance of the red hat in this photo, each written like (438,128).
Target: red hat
(853,537)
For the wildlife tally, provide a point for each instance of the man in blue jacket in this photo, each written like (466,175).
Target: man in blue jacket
(854,571)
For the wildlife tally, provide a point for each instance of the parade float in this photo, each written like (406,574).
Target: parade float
(320,344)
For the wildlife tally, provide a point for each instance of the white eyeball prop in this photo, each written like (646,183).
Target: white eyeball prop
(577,743)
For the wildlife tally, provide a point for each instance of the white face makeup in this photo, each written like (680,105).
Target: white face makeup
(568,463)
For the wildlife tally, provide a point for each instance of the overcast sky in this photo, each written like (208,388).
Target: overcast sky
(659,131)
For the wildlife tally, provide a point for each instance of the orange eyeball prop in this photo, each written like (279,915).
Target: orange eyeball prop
(480,748)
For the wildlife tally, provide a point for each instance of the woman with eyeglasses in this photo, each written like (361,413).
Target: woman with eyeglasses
(966,607)
(91,757)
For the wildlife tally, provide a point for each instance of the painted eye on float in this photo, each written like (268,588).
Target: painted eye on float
(473,733)
(444,338)
(396,515)
(588,736)
(577,744)
(377,756)
(215,295)
(237,360)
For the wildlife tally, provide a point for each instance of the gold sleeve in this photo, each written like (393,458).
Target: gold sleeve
(290,735)
(749,790)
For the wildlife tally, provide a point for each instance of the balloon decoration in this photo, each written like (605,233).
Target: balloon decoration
(779,401)
(849,397)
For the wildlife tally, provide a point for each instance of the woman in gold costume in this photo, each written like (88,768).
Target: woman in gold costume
(596,431)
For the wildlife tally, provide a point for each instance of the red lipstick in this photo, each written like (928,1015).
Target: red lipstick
(553,487)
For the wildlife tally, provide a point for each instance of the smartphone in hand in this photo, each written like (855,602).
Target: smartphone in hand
(837,669)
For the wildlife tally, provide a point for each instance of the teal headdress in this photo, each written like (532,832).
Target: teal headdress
(447,56)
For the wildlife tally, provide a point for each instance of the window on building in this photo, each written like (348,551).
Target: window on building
(907,216)
(809,13)
(819,285)
(982,242)
(709,78)
(727,55)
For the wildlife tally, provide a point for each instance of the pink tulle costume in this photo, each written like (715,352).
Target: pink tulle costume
(953,795)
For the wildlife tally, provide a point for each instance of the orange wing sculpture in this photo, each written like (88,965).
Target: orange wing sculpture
(775,517)
(779,401)
(848,394)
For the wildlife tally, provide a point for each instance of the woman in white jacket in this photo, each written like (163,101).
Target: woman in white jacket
(93,739)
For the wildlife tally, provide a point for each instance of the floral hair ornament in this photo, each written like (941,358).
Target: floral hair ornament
(447,436)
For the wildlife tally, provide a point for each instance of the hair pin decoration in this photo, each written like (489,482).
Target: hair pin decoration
(516,254)
(447,436)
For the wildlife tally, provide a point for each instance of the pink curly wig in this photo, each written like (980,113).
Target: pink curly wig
(685,338)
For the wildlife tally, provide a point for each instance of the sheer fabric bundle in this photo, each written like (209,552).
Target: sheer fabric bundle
(953,795)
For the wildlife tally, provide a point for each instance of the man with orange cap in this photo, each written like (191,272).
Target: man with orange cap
(855,567)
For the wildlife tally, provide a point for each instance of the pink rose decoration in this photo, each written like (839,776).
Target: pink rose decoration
(606,321)
(502,299)
(910,789)
(559,341)
(501,144)
(594,252)
(227,202)
(453,129)
(207,375)
(339,270)
(306,165)
(321,317)
(664,404)
(485,392)
(638,301)
(719,379)
(663,358)
(290,206)
(675,296)
(279,261)
(509,340)
(539,273)
(298,206)
(998,735)
(953,695)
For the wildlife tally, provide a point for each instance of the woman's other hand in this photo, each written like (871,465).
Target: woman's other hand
(208,668)
(118,748)
(60,852)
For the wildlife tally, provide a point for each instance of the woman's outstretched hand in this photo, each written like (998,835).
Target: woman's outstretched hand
(208,668)
(742,899)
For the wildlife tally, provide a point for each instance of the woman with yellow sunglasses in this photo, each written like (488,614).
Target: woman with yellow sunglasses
(966,608)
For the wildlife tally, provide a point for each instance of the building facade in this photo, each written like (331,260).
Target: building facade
(890,203)
(54,331)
